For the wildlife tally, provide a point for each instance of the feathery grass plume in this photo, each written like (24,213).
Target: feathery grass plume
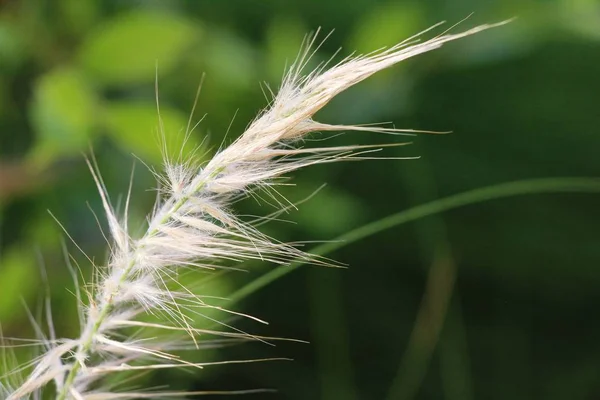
(192,227)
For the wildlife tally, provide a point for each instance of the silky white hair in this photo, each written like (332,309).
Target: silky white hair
(192,227)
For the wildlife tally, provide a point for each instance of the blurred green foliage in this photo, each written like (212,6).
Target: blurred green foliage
(495,300)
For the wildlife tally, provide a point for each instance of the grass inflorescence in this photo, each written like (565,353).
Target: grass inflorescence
(193,226)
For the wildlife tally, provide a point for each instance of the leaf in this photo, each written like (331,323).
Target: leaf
(62,113)
(134,126)
(17,266)
(230,60)
(284,38)
(126,49)
(317,216)
(12,48)
(78,16)
(386,25)
(581,16)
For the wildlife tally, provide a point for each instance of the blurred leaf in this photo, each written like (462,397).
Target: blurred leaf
(581,16)
(127,49)
(284,38)
(17,281)
(316,215)
(62,113)
(135,127)
(387,25)
(78,16)
(230,60)
(45,232)
(12,49)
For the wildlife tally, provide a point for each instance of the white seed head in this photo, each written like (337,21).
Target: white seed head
(193,227)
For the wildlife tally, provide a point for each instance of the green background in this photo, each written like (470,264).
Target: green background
(495,300)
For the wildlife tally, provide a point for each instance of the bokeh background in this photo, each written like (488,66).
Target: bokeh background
(493,300)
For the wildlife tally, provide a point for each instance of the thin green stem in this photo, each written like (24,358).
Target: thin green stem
(502,190)
(534,186)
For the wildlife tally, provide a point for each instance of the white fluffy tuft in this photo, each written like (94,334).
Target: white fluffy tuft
(192,227)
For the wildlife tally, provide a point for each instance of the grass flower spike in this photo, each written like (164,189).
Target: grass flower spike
(193,227)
